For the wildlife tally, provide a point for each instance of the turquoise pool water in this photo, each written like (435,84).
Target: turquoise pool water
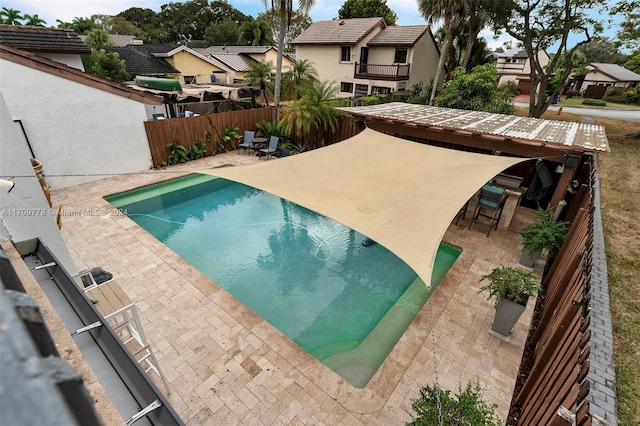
(304,273)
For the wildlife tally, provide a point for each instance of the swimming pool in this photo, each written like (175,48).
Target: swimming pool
(307,275)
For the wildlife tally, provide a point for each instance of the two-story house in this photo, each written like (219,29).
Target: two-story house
(365,56)
(514,65)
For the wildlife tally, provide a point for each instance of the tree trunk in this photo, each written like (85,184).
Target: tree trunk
(473,34)
(277,89)
(448,25)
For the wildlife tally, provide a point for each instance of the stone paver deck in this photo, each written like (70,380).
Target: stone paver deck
(226,365)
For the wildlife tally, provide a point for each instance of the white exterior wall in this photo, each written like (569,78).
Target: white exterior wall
(72,60)
(595,77)
(75,129)
(326,59)
(423,57)
(24,211)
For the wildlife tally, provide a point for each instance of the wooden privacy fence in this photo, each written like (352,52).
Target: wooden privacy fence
(188,130)
(552,383)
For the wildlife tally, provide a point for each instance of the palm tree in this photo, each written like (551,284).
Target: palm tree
(449,11)
(284,10)
(312,114)
(10,16)
(301,73)
(259,74)
(34,20)
(256,33)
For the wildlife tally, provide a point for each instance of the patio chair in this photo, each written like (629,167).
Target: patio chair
(246,140)
(462,212)
(490,205)
(273,144)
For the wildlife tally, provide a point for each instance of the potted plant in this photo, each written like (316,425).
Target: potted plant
(545,234)
(511,287)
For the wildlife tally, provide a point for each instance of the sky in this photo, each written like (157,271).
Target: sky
(66,10)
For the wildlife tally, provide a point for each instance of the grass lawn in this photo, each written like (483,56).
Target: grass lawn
(620,199)
(620,184)
(578,102)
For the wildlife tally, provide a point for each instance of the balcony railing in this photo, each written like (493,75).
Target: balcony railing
(395,72)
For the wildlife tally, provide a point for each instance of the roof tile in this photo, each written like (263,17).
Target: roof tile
(341,31)
(42,39)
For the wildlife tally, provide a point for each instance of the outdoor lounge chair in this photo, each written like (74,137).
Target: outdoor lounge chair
(273,144)
(490,205)
(246,140)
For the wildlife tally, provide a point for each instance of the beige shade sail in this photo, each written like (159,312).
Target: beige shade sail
(399,193)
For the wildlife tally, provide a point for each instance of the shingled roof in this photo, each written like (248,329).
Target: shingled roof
(405,36)
(42,39)
(616,71)
(341,31)
(139,60)
(58,69)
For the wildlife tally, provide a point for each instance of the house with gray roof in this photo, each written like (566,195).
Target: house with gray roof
(608,75)
(364,56)
(58,44)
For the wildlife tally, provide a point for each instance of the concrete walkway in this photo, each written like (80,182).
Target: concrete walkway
(226,365)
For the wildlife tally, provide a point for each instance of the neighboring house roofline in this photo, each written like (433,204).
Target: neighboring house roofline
(374,23)
(621,79)
(211,60)
(406,36)
(58,69)
(43,39)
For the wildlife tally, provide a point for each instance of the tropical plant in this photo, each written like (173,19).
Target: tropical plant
(178,153)
(508,282)
(266,129)
(300,21)
(448,11)
(33,20)
(256,33)
(196,150)
(302,72)
(228,134)
(466,407)
(259,74)
(105,65)
(284,10)
(545,234)
(477,91)
(10,16)
(312,115)
(367,9)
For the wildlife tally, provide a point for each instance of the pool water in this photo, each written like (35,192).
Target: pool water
(304,273)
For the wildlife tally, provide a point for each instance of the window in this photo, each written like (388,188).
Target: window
(379,90)
(401,55)
(346,87)
(345,54)
(189,79)
(402,85)
(362,90)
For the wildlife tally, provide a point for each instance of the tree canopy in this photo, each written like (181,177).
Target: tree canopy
(367,9)
(547,25)
(603,50)
(222,33)
(477,91)
(106,65)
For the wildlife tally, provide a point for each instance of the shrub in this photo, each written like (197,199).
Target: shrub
(507,282)
(574,94)
(464,408)
(594,102)
(370,100)
(400,96)
(511,88)
(545,234)
(417,100)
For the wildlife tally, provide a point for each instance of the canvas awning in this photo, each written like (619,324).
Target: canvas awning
(401,194)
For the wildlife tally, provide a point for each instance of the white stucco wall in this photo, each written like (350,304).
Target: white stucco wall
(77,131)
(72,60)
(423,57)
(25,211)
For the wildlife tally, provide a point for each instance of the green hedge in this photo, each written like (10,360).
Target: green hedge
(594,102)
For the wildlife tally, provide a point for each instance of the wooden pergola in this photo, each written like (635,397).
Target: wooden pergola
(558,141)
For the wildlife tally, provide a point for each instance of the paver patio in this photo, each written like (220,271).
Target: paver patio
(226,365)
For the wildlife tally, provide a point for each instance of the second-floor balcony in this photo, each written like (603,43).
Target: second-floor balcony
(392,72)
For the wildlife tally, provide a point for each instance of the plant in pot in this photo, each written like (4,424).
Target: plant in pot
(545,234)
(511,287)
